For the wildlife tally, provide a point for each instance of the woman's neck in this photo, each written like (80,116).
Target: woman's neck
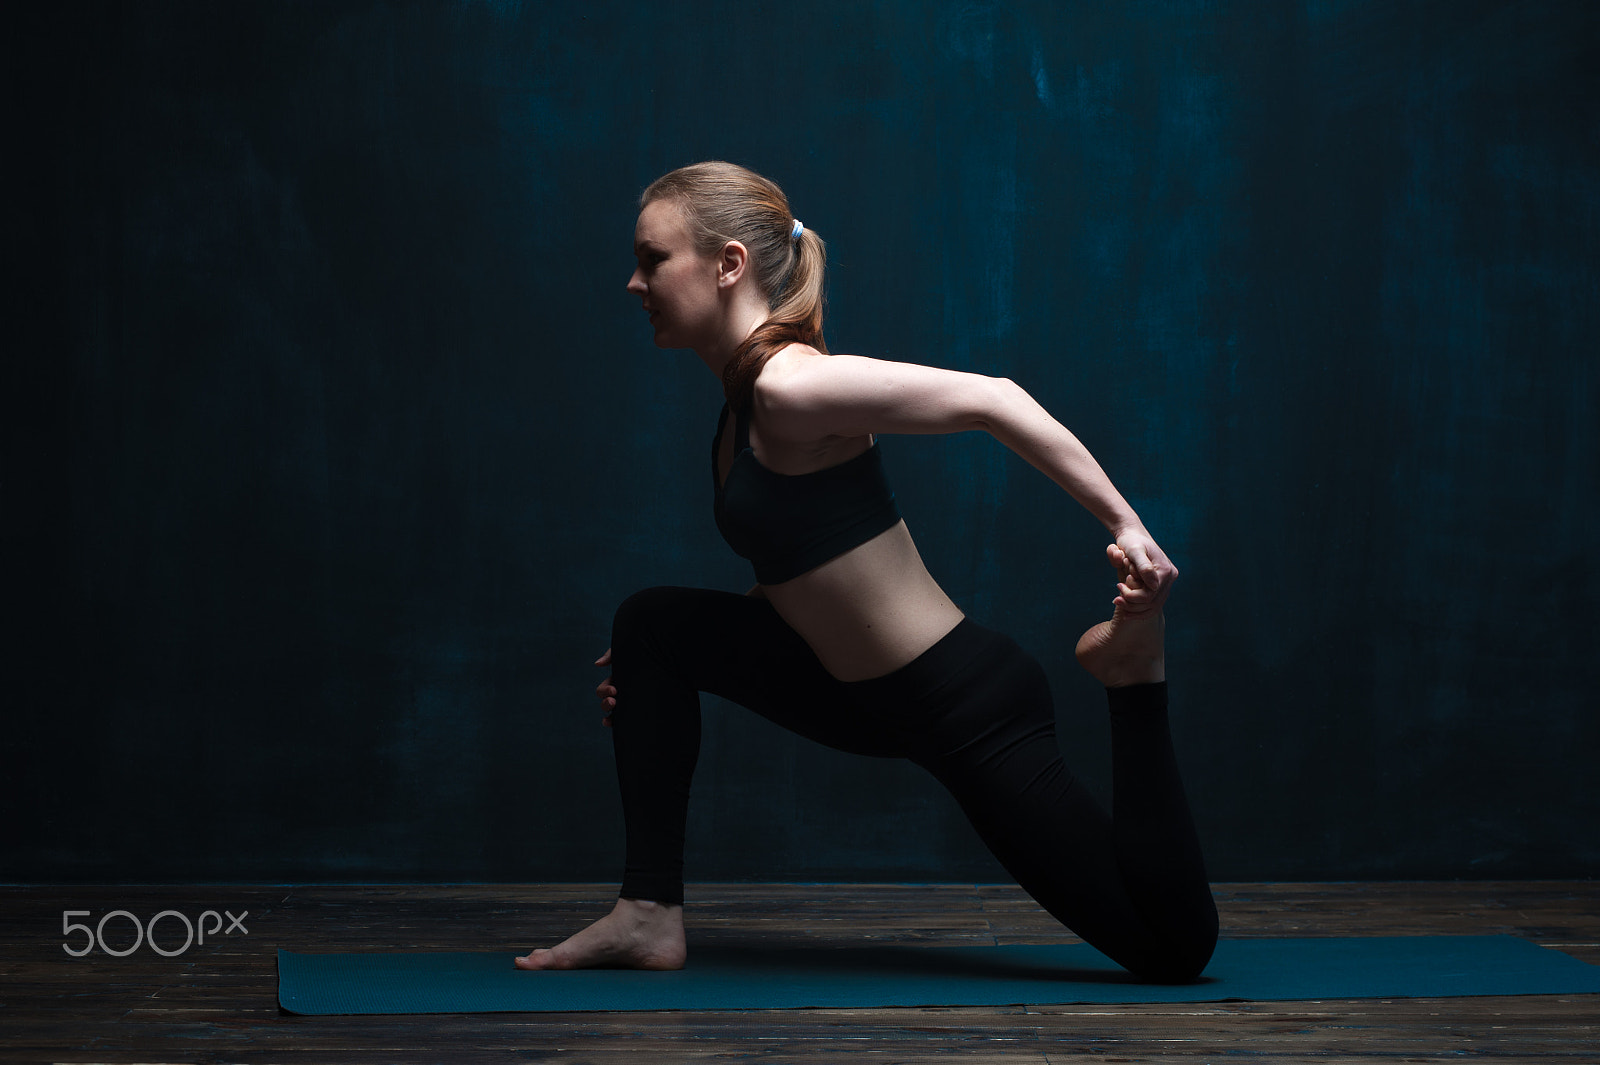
(743,318)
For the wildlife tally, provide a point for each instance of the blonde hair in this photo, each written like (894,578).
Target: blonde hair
(724,201)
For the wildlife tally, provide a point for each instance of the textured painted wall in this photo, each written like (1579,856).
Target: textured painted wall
(332,439)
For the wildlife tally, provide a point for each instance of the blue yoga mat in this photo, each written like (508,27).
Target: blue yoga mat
(793,977)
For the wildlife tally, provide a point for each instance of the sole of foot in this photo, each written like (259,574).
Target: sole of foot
(1125,651)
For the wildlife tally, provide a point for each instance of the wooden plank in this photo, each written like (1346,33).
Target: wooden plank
(218,1001)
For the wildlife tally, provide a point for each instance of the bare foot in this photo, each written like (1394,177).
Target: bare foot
(1127,649)
(636,934)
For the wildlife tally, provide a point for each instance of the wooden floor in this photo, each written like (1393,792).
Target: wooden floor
(218,1002)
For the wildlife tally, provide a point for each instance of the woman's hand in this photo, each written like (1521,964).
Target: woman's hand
(1147,573)
(606,690)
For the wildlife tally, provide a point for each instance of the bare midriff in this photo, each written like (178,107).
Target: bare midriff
(870,610)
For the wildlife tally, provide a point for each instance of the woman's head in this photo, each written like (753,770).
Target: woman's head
(722,203)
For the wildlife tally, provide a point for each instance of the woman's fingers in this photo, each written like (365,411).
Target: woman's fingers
(1144,574)
(1144,600)
(1124,565)
(606,690)
(1141,565)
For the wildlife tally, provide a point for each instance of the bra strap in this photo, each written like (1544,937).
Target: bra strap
(741,434)
(716,445)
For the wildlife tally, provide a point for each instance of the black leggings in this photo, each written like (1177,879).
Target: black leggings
(975,711)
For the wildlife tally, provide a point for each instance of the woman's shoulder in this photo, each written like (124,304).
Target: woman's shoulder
(785,377)
(800,374)
(798,377)
(800,387)
(791,357)
(813,398)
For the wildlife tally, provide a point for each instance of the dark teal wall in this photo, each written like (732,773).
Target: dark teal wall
(332,440)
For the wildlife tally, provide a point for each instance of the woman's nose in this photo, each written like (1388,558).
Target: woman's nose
(636,284)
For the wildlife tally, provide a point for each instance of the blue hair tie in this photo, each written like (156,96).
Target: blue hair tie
(794,234)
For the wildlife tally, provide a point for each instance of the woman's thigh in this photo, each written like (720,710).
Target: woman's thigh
(739,648)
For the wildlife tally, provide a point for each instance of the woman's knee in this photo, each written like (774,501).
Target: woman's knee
(1178,967)
(1183,956)
(644,613)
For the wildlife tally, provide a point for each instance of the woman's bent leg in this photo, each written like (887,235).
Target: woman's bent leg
(1133,886)
(670,644)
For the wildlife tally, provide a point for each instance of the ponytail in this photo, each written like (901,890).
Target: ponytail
(723,202)
(796,319)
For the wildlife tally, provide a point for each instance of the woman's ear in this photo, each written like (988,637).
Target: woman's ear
(731,264)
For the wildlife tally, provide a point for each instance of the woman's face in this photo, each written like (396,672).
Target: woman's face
(676,284)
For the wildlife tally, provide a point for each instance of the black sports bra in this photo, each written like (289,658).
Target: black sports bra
(786,524)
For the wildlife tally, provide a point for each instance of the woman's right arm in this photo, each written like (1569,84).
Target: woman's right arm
(805,399)
(1018,421)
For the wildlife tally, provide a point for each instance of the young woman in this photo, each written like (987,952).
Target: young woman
(846,638)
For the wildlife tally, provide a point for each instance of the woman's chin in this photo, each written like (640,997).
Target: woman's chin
(665,338)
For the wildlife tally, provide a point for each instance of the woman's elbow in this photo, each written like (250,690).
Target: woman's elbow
(1000,401)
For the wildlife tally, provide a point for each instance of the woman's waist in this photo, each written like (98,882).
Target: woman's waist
(867,613)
